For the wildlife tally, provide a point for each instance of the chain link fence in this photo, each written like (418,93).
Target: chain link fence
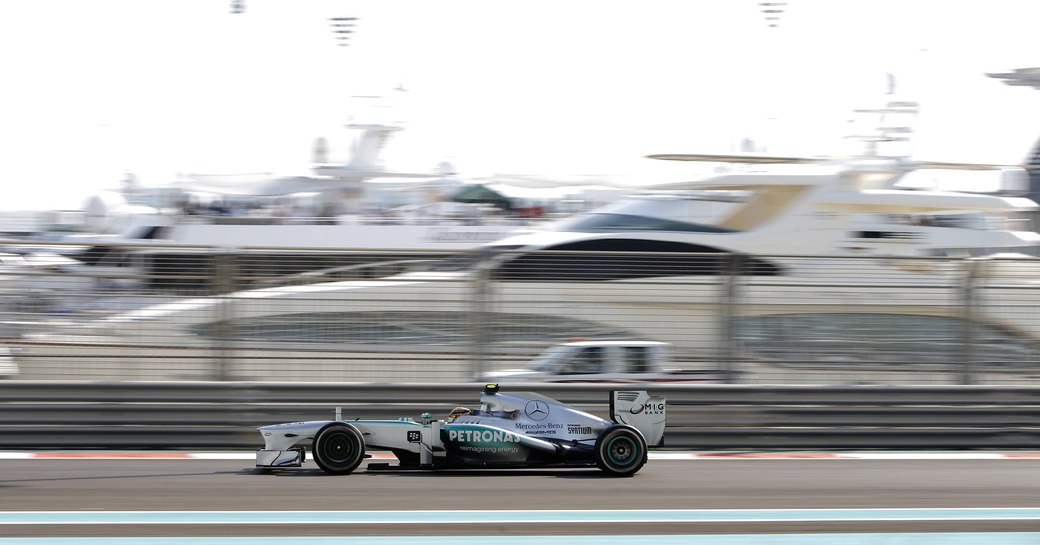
(315,315)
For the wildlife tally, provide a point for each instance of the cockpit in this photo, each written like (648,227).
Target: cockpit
(495,403)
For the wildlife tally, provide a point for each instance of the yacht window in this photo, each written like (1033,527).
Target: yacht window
(587,261)
(894,235)
(603,222)
(94,254)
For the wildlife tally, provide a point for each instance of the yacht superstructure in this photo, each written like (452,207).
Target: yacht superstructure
(831,243)
(205,214)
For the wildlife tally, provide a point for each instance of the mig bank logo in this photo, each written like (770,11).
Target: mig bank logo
(537,409)
(648,408)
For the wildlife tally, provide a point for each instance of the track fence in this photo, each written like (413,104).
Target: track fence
(154,312)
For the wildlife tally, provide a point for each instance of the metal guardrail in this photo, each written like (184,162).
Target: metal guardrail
(122,415)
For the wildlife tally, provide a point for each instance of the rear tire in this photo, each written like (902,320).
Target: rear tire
(621,451)
(338,448)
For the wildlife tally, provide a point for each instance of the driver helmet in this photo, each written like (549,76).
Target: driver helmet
(457,412)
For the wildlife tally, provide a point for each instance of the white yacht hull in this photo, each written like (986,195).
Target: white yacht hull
(383,238)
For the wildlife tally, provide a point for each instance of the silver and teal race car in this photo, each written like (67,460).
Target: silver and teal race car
(509,430)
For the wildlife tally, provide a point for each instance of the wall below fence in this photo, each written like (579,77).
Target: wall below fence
(224,415)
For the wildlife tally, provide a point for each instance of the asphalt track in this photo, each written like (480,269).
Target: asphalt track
(805,496)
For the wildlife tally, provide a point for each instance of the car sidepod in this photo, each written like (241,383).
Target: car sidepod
(480,444)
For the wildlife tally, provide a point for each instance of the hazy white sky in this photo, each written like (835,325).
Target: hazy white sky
(96,88)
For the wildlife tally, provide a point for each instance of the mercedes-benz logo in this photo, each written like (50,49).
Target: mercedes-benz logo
(536,410)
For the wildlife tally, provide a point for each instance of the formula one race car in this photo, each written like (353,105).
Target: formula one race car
(515,430)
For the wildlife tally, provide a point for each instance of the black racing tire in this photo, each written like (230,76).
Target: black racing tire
(621,451)
(338,448)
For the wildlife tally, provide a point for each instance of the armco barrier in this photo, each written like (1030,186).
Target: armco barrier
(128,415)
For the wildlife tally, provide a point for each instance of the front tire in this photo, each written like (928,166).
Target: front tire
(338,448)
(621,451)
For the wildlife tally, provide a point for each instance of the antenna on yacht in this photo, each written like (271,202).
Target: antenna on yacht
(370,121)
(772,11)
(321,150)
(342,28)
(1026,77)
(893,123)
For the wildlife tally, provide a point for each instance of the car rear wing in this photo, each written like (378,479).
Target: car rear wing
(637,408)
